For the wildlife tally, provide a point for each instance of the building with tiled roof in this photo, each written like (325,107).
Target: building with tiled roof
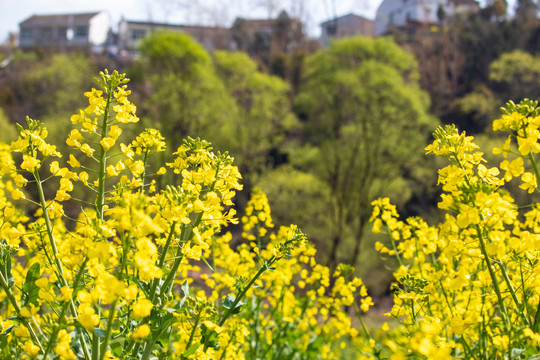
(345,26)
(65,30)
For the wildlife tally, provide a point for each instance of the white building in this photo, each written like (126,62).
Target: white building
(89,30)
(403,13)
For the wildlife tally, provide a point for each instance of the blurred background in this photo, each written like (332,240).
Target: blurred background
(325,105)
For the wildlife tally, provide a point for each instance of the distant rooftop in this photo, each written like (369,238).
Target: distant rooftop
(346,15)
(58,18)
(156,24)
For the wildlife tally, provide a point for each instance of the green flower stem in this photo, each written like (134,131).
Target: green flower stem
(192,335)
(535,168)
(276,334)
(493,277)
(394,247)
(110,322)
(143,176)
(52,242)
(222,357)
(100,201)
(446,298)
(13,301)
(161,260)
(513,292)
(150,345)
(434,261)
(413,312)
(186,236)
(362,323)
(536,318)
(254,348)
(244,291)
(43,204)
(52,338)
(147,350)
(95,347)
(123,264)
(277,354)
(525,299)
(468,353)
(169,281)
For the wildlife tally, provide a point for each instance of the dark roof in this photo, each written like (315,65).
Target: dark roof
(466,2)
(58,19)
(172,26)
(344,16)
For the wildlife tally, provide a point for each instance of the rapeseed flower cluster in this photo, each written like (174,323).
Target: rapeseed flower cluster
(469,287)
(148,273)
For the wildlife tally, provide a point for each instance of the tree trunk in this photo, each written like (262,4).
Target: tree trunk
(333,258)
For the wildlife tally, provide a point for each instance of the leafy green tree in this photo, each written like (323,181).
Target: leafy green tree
(185,96)
(365,117)
(516,75)
(9,132)
(63,78)
(481,105)
(301,198)
(262,114)
(484,41)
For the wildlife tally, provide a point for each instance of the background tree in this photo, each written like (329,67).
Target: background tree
(364,117)
(9,132)
(262,116)
(481,105)
(513,76)
(526,10)
(62,77)
(185,96)
(241,36)
(500,8)
(516,76)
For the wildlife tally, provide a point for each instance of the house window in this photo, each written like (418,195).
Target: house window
(331,28)
(81,32)
(61,32)
(26,34)
(138,34)
(45,34)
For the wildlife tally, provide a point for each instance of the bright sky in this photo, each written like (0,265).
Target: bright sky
(204,12)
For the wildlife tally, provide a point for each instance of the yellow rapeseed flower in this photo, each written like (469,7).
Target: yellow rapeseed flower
(141,332)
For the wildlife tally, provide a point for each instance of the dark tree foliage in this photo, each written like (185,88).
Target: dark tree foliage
(526,10)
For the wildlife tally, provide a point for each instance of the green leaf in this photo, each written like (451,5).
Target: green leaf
(185,291)
(164,337)
(167,320)
(209,338)
(191,350)
(100,333)
(8,275)
(7,331)
(228,302)
(207,264)
(29,288)
(117,348)
(5,347)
